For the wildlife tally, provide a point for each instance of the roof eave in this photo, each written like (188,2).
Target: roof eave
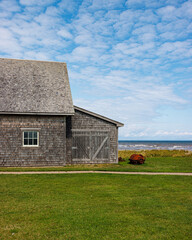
(38,113)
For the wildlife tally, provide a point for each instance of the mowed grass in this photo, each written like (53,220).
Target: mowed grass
(95,206)
(156,161)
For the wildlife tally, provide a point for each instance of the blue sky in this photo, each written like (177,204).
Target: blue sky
(128,60)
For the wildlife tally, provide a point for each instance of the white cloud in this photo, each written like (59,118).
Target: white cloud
(175,50)
(108,4)
(145,33)
(147,16)
(139,98)
(178,28)
(185,10)
(9,6)
(36,2)
(65,34)
(135,49)
(47,20)
(8,44)
(137,3)
(36,55)
(144,3)
(66,5)
(52,11)
(83,54)
(167,13)
(173,133)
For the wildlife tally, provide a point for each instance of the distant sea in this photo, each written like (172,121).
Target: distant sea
(149,145)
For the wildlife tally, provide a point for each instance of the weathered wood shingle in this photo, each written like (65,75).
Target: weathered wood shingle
(39,87)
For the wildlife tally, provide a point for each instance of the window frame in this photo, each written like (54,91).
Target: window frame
(30,130)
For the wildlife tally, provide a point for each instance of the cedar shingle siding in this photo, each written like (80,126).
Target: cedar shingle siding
(52,138)
(36,95)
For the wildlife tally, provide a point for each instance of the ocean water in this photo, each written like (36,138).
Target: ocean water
(149,145)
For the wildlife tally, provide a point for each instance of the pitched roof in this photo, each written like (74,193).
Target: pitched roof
(34,87)
(118,124)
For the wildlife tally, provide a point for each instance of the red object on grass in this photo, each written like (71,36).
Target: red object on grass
(137,159)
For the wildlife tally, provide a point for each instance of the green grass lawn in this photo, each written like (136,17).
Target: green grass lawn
(152,164)
(95,206)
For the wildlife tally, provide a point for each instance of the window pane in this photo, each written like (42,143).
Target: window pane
(25,134)
(30,134)
(35,134)
(35,141)
(25,141)
(30,141)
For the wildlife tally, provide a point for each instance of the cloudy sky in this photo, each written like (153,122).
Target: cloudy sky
(128,60)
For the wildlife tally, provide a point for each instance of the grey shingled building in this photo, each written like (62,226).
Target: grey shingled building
(40,126)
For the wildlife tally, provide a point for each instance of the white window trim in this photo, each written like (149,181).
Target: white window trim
(30,130)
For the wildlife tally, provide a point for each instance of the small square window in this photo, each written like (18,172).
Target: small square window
(31,138)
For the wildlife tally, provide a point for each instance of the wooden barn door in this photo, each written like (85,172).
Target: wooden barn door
(90,145)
